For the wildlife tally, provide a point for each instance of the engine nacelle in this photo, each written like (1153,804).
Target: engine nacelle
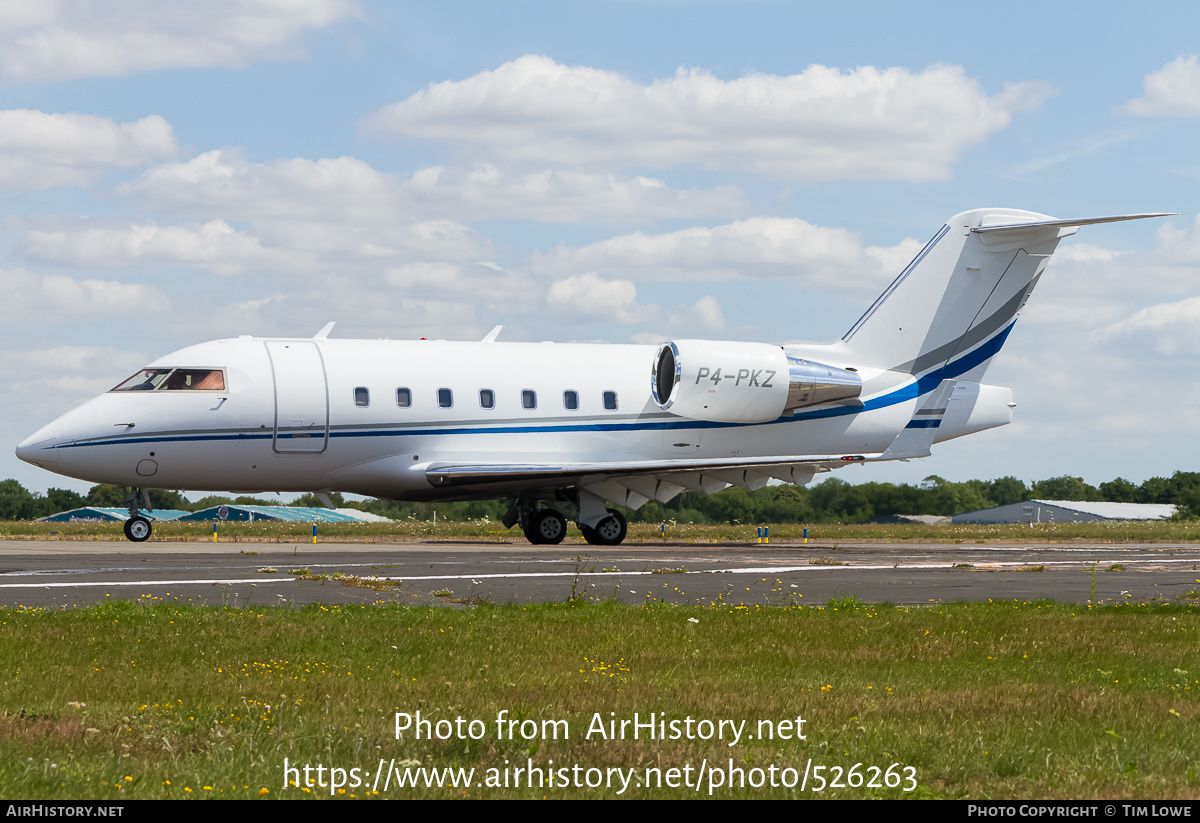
(743,382)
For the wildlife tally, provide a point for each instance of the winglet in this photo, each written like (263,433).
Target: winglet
(491,336)
(323,334)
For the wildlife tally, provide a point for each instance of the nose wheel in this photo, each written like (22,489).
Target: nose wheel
(138,529)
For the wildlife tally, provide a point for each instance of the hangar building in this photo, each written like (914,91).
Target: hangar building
(97,514)
(1066,511)
(301,514)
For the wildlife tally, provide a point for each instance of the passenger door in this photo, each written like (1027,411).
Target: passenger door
(301,397)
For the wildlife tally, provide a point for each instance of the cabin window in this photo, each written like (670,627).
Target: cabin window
(445,398)
(403,398)
(610,400)
(487,398)
(362,397)
(571,400)
(528,399)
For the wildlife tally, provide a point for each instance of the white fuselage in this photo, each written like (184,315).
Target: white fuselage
(330,415)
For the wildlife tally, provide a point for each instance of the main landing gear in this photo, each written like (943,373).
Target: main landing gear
(610,531)
(548,526)
(137,527)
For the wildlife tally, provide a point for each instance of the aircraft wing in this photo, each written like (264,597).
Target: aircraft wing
(635,482)
(632,483)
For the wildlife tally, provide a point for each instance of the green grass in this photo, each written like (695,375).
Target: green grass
(490,531)
(995,700)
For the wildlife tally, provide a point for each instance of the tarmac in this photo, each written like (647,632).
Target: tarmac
(459,574)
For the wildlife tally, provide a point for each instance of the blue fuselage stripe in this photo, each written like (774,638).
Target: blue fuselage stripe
(923,385)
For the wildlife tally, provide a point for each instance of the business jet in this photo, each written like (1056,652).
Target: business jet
(563,430)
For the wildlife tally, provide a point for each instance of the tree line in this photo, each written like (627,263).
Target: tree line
(830,501)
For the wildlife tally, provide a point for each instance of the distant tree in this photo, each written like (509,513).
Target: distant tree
(113,497)
(789,504)
(1119,491)
(1064,488)
(208,501)
(106,497)
(954,498)
(733,505)
(62,500)
(1158,490)
(837,501)
(311,501)
(16,502)
(1006,490)
(652,512)
(1188,504)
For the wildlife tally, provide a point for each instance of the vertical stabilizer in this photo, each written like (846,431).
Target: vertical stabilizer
(958,298)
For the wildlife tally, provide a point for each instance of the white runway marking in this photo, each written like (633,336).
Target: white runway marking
(517,575)
(73,585)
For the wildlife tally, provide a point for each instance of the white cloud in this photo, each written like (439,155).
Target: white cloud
(1136,307)
(348,189)
(590,296)
(27,294)
(703,315)
(1087,146)
(289,247)
(77,372)
(822,124)
(64,39)
(1172,91)
(115,243)
(40,150)
(1167,328)
(816,257)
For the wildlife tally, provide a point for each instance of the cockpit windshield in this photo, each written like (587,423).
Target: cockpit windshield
(175,380)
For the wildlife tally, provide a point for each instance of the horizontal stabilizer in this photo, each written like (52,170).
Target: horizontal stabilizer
(1063,224)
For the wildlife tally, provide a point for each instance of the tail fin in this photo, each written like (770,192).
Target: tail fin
(958,298)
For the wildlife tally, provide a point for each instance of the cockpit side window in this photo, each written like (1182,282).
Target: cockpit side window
(145,380)
(196,380)
(175,380)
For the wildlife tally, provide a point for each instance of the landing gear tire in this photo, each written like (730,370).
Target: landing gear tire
(138,529)
(610,531)
(548,527)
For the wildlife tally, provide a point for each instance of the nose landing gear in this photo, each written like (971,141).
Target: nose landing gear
(137,527)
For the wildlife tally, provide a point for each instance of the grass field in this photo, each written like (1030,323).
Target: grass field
(150,699)
(407,530)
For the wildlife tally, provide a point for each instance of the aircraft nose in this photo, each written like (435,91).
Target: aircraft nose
(39,449)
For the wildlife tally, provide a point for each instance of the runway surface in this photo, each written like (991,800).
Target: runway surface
(457,574)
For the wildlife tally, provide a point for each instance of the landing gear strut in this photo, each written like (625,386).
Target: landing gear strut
(137,527)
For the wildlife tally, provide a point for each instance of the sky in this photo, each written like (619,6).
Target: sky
(177,172)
